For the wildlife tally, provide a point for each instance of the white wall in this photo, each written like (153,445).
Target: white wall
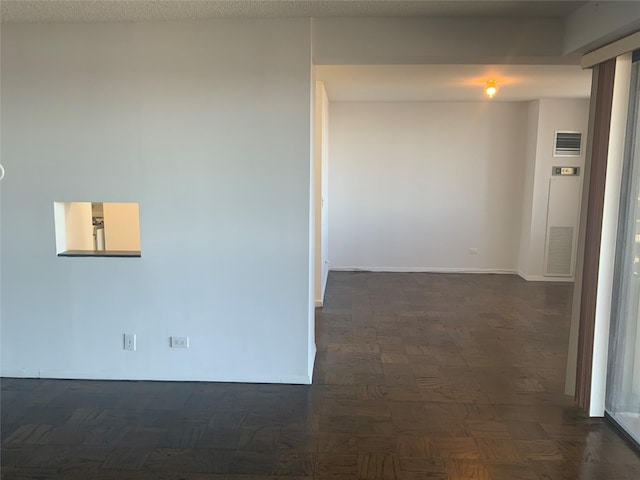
(324,254)
(414,186)
(533,114)
(207,126)
(121,226)
(60,222)
(321,190)
(545,118)
(78,226)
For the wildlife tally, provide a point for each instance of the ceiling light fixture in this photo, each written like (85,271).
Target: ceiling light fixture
(491,88)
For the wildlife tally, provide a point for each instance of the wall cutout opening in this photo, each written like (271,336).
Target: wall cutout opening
(97,229)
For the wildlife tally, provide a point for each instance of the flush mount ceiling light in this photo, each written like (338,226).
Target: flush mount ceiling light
(490,88)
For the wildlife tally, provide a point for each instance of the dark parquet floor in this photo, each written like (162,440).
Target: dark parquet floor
(418,376)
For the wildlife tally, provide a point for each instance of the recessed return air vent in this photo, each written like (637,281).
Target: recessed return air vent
(562,223)
(559,251)
(567,144)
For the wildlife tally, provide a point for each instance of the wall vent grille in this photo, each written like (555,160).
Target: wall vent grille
(560,251)
(567,144)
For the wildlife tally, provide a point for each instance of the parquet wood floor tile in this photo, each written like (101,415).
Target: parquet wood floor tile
(417,376)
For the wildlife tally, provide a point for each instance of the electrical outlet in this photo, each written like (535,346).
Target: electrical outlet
(179,342)
(473,251)
(130,341)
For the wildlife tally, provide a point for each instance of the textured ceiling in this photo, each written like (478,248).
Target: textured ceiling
(432,83)
(30,11)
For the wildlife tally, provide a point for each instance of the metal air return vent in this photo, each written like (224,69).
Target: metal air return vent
(567,144)
(560,251)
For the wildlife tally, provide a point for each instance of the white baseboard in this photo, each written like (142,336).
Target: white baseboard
(154,376)
(312,362)
(541,278)
(320,301)
(425,270)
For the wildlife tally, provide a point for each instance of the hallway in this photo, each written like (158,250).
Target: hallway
(418,376)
